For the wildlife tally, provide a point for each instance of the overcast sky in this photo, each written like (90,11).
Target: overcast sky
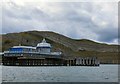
(97,21)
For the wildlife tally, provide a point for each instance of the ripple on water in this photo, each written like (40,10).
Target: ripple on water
(104,73)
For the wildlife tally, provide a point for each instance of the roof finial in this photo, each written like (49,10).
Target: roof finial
(44,41)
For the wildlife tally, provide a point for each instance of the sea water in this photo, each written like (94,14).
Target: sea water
(103,73)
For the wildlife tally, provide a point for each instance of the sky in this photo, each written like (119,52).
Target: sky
(97,21)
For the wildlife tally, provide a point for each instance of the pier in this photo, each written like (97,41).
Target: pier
(33,61)
(41,55)
(87,61)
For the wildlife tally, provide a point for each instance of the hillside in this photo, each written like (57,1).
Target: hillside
(70,47)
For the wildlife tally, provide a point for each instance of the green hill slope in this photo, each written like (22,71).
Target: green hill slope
(70,47)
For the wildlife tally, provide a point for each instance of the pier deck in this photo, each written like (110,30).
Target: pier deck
(47,61)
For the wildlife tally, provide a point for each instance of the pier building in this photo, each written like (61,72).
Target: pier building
(43,56)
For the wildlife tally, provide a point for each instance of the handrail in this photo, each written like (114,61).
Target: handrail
(51,53)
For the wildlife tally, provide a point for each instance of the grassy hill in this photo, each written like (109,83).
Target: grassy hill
(70,47)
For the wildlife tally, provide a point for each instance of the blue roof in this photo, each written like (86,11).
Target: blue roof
(15,49)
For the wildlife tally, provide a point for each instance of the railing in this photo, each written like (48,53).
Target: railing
(31,54)
(51,53)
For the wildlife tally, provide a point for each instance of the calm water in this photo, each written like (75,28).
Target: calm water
(104,73)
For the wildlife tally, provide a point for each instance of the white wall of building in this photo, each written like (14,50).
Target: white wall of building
(44,50)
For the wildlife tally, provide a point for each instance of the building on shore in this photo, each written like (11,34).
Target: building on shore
(42,55)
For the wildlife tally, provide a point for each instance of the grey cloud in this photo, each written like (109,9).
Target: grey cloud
(107,35)
(74,20)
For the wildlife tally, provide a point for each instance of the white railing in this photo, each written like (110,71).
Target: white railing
(19,52)
(53,53)
(56,53)
(29,52)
